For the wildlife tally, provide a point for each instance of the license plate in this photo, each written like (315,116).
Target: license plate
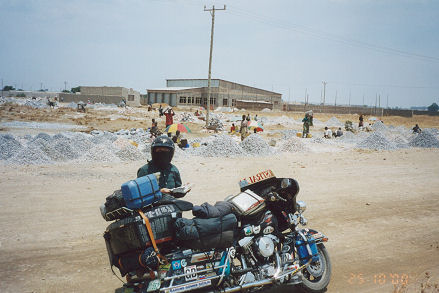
(190,273)
(154,285)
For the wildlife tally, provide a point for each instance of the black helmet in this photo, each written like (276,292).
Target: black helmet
(162,159)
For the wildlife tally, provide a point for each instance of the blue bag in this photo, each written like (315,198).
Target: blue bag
(141,192)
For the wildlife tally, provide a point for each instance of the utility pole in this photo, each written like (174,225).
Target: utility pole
(349,102)
(363,100)
(212,13)
(2,87)
(324,91)
(376,101)
(65,85)
(335,104)
(387,104)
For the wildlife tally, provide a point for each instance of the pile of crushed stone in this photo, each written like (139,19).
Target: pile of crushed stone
(8,146)
(38,103)
(288,133)
(101,146)
(333,122)
(220,146)
(215,122)
(379,126)
(292,145)
(254,144)
(424,139)
(376,141)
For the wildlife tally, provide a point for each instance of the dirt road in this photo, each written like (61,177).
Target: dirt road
(380,211)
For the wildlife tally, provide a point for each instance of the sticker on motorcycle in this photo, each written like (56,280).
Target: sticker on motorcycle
(261,176)
(268,230)
(190,273)
(191,286)
(183,263)
(176,265)
(154,285)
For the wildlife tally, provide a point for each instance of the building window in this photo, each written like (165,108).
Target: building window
(233,102)
(182,100)
(213,101)
(198,100)
(130,97)
(225,102)
(190,100)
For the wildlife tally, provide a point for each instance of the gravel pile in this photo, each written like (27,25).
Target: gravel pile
(254,144)
(347,136)
(37,104)
(130,153)
(379,126)
(185,117)
(215,122)
(266,110)
(333,122)
(289,133)
(8,146)
(292,145)
(400,142)
(220,146)
(376,141)
(424,140)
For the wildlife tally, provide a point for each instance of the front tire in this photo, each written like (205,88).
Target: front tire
(318,284)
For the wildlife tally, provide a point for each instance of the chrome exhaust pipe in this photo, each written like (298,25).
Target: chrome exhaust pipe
(246,286)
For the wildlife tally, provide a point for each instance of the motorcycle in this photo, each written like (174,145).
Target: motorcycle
(269,247)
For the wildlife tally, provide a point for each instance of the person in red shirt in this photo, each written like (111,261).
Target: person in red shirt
(169,117)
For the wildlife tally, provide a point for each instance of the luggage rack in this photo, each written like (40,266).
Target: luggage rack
(118,213)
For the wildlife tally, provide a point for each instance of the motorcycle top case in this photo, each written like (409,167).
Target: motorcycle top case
(141,192)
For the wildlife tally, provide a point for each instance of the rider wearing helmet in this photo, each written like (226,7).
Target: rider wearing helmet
(162,151)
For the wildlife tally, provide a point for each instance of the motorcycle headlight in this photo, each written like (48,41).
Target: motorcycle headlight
(285,183)
(300,206)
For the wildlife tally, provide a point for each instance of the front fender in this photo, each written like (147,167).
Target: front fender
(318,236)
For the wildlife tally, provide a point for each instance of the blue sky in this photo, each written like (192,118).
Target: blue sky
(361,47)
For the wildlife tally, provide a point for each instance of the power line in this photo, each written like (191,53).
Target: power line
(328,36)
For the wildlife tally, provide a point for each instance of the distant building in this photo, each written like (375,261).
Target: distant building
(193,92)
(103,94)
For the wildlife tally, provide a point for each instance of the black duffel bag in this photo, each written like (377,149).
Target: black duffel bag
(199,233)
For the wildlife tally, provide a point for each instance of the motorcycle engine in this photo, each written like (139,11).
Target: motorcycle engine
(265,246)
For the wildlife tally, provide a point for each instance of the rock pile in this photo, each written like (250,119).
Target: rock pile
(376,141)
(292,145)
(220,146)
(254,144)
(379,126)
(215,122)
(8,146)
(424,140)
(334,122)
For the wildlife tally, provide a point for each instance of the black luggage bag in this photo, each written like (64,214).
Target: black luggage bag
(206,233)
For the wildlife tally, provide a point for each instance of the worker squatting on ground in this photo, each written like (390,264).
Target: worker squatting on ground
(327,133)
(417,129)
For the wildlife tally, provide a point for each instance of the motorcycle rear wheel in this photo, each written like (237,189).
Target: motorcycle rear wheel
(318,284)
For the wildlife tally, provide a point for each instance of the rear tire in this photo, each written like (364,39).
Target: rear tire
(319,284)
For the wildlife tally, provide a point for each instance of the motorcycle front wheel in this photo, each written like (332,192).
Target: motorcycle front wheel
(313,283)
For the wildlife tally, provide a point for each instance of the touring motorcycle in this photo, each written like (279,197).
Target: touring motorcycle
(262,243)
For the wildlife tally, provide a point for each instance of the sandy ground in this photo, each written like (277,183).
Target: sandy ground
(380,211)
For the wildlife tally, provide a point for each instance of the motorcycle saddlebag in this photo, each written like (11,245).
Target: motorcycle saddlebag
(141,192)
(206,233)
(130,234)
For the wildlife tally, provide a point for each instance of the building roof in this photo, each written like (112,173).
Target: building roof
(173,88)
(219,79)
(253,101)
